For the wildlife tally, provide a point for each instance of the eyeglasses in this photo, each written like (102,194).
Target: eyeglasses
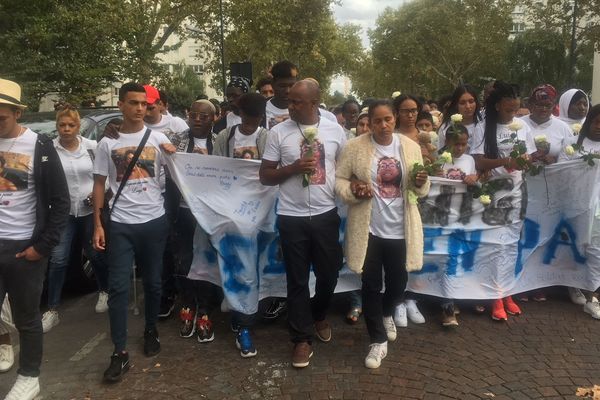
(150,108)
(197,115)
(543,106)
(405,111)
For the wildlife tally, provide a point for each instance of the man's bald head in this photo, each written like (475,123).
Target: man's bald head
(309,89)
(303,102)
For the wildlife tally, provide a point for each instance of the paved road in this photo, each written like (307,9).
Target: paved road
(548,353)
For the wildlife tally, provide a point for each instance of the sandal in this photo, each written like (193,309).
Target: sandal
(353,315)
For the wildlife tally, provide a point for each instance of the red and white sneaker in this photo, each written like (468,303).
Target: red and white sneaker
(498,313)
(511,307)
(188,327)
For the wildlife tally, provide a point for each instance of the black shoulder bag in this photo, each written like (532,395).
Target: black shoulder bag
(106,211)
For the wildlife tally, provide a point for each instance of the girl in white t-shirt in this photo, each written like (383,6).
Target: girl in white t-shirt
(462,169)
(492,153)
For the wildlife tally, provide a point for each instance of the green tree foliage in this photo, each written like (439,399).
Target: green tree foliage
(183,87)
(555,18)
(54,46)
(266,31)
(427,47)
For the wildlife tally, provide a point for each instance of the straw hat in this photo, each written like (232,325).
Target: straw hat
(10,93)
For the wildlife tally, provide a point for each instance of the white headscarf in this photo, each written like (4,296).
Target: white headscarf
(563,104)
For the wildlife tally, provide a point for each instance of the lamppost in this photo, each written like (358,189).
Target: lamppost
(573,4)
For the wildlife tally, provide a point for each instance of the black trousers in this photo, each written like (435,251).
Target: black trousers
(307,241)
(23,281)
(391,254)
(202,296)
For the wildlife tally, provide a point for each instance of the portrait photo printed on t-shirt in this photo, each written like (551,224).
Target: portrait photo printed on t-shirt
(14,171)
(144,167)
(389,177)
(319,176)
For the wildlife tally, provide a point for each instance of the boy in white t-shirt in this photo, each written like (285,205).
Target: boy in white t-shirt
(300,157)
(138,225)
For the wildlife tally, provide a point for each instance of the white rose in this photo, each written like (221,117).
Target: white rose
(515,125)
(434,137)
(576,128)
(540,139)
(569,150)
(456,118)
(436,120)
(446,157)
(485,199)
(396,94)
(353,130)
(310,134)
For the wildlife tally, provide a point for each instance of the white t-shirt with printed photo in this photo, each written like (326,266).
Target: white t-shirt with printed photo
(244,146)
(200,146)
(460,168)
(275,115)
(141,199)
(285,145)
(505,144)
(17,186)
(387,208)
(558,134)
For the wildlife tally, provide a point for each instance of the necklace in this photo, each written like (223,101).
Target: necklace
(21,131)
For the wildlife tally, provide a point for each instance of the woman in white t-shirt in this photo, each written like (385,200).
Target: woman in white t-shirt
(464,101)
(383,231)
(551,134)
(77,157)
(492,153)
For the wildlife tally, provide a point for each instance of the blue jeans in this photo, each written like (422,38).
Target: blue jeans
(61,254)
(144,243)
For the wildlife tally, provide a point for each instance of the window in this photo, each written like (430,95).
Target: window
(198,69)
(517,27)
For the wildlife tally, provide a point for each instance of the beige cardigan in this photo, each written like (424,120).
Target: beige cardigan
(356,160)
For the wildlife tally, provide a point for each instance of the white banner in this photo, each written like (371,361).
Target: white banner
(238,246)
(472,252)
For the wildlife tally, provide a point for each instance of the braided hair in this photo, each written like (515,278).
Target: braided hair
(501,90)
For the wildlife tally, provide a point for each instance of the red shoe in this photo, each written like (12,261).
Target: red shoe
(511,307)
(498,313)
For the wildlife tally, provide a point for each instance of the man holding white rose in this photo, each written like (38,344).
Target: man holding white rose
(300,156)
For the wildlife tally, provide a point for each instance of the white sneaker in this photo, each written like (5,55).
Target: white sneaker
(576,296)
(49,320)
(592,308)
(102,303)
(414,315)
(7,357)
(377,352)
(390,328)
(25,388)
(400,316)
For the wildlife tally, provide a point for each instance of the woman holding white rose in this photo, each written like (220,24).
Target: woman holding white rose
(465,103)
(502,134)
(383,230)
(550,134)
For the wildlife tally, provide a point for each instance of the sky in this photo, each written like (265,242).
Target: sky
(363,13)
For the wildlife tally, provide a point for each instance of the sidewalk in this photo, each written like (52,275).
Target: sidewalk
(548,352)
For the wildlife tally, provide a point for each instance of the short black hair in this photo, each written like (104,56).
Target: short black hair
(337,110)
(252,104)
(130,87)
(425,115)
(202,97)
(164,98)
(217,105)
(263,82)
(348,102)
(283,69)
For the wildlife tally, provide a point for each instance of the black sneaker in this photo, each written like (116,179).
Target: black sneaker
(277,307)
(167,304)
(188,326)
(119,364)
(204,329)
(151,343)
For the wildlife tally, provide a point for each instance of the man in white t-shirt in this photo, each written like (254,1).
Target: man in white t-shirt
(155,119)
(303,164)
(34,207)
(284,77)
(138,226)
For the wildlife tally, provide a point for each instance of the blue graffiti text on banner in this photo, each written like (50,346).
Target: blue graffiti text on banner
(268,242)
(230,247)
(462,245)
(563,228)
(530,238)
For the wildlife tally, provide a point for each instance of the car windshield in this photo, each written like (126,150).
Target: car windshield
(87,128)
(43,127)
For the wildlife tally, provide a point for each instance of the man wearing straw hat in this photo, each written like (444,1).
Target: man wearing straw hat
(33,211)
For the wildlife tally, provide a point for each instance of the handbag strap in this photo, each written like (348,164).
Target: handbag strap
(131,165)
